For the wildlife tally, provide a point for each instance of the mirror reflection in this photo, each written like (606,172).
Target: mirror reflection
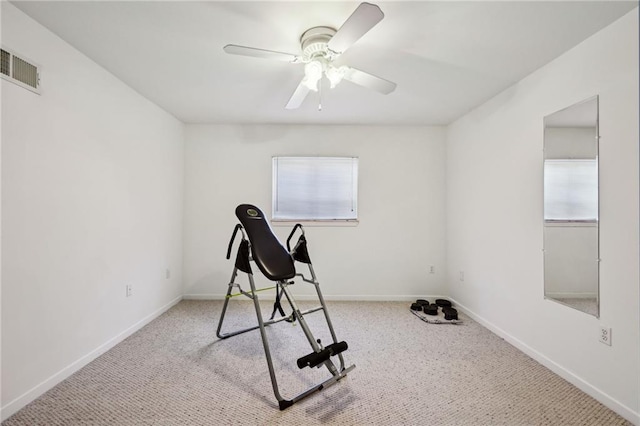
(571,235)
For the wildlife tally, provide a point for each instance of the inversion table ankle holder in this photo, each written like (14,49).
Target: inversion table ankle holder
(260,245)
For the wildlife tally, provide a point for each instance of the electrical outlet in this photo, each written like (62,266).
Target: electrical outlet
(605,335)
(129,290)
(461,275)
(432,269)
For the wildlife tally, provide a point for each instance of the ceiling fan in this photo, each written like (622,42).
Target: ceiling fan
(320,47)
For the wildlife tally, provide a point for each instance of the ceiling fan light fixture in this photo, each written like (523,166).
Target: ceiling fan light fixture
(335,74)
(312,74)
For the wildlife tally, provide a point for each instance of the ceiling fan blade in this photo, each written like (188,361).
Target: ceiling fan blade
(260,53)
(298,96)
(370,81)
(365,17)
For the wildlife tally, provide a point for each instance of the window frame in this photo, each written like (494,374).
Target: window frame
(276,169)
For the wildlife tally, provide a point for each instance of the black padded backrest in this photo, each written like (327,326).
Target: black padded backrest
(272,258)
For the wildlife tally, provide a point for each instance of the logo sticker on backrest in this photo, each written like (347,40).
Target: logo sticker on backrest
(252,212)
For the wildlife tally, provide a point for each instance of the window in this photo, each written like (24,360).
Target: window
(571,190)
(315,188)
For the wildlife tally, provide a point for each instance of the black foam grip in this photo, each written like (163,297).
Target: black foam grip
(336,348)
(314,358)
(317,358)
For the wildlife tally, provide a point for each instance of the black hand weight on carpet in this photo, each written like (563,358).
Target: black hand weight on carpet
(443,303)
(422,302)
(430,309)
(450,313)
(416,307)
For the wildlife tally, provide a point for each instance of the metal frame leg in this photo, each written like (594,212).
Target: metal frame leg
(261,326)
(226,303)
(336,374)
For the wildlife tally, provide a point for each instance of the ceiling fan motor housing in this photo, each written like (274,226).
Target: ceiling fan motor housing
(314,43)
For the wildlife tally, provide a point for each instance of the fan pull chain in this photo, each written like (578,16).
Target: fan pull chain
(320,95)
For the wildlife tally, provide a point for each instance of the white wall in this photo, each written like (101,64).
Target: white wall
(401,206)
(92,185)
(494,216)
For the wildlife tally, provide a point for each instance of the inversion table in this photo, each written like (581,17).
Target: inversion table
(260,246)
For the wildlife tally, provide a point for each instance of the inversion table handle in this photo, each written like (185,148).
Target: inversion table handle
(233,237)
(293,231)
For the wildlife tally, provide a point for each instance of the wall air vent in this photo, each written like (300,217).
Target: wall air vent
(19,71)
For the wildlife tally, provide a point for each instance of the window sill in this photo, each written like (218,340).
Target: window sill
(316,223)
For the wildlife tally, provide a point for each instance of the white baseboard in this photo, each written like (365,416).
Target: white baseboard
(14,406)
(578,382)
(334,298)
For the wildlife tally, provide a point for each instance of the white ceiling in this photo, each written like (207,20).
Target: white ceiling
(447,57)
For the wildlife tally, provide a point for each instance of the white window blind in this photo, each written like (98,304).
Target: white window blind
(571,190)
(315,188)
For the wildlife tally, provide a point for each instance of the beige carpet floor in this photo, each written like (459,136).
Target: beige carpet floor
(175,371)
